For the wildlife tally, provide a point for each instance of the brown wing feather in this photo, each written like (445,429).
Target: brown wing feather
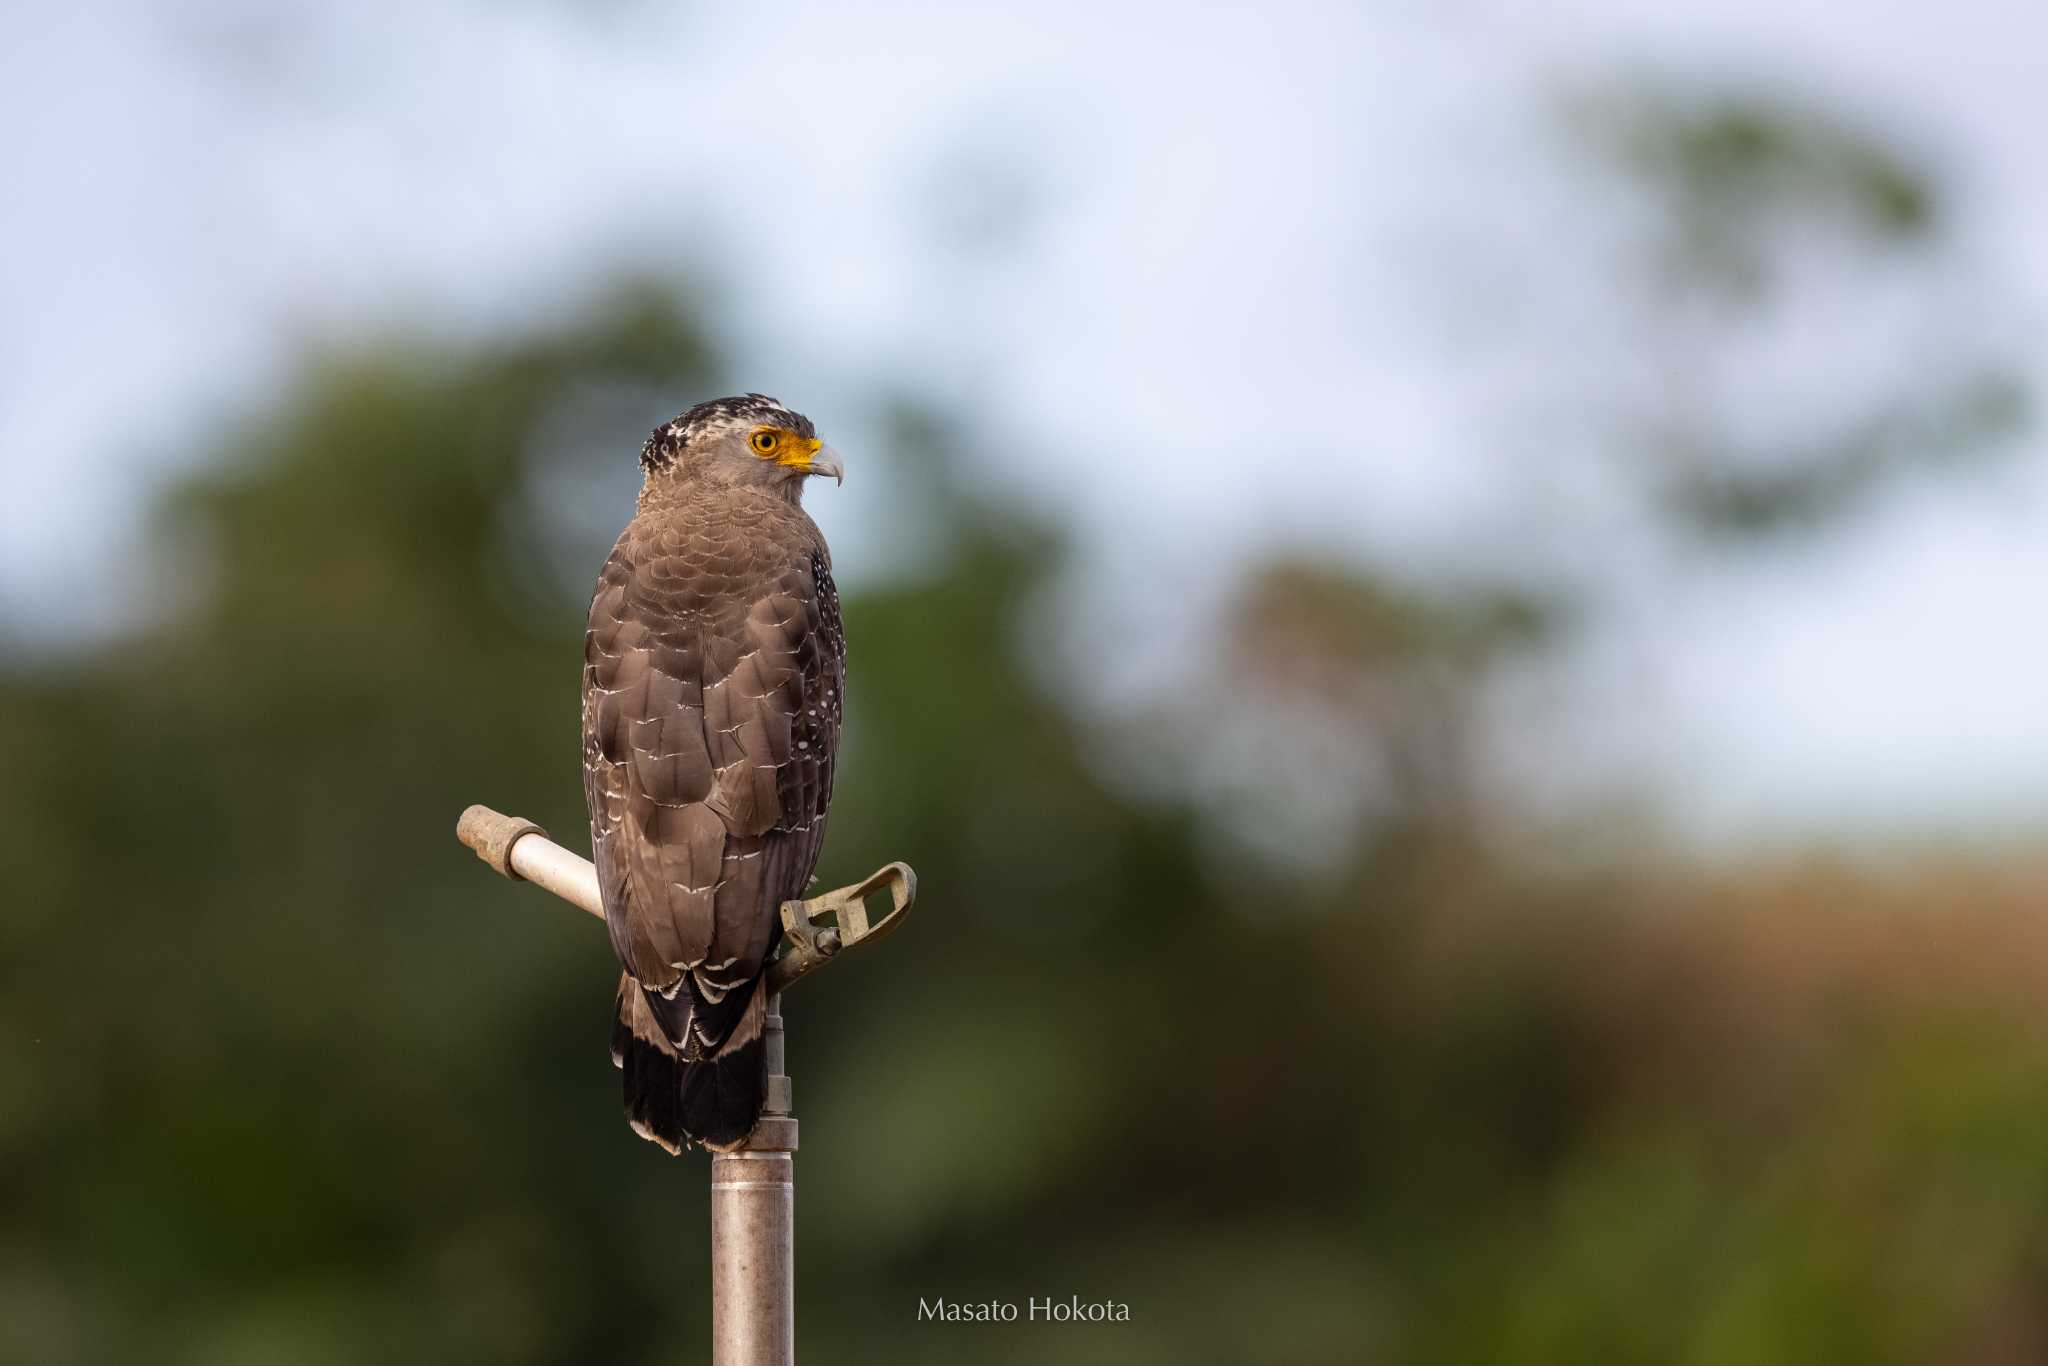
(713,679)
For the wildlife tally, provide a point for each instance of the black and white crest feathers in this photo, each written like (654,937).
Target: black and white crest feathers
(671,439)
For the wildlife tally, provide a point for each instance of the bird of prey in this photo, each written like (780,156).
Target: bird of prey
(713,682)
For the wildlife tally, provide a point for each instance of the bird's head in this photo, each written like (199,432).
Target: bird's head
(749,439)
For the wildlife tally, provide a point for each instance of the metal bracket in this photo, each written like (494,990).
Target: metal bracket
(811,944)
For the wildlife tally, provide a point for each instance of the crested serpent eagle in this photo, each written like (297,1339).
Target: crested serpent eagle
(713,682)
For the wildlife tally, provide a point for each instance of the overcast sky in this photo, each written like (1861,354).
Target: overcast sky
(1216,282)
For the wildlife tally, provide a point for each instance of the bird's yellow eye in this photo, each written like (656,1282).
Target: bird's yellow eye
(766,442)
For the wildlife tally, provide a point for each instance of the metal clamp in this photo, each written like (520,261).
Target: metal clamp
(812,945)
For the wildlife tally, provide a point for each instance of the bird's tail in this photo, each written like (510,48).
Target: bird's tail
(673,1099)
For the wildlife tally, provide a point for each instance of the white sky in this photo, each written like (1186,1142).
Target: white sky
(1246,238)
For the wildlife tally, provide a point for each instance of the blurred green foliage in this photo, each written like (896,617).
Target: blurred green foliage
(1752,196)
(1737,164)
(285,1076)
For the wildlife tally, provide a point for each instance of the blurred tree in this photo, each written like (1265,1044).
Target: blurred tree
(1812,338)
(1348,711)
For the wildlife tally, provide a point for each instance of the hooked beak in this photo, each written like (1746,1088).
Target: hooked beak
(825,460)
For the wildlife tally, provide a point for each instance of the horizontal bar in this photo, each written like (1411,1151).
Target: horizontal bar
(520,850)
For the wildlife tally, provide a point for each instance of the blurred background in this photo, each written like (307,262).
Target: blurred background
(1446,598)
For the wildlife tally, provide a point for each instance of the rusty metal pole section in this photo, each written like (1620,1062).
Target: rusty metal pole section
(753,1189)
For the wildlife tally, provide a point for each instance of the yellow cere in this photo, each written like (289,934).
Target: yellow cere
(785,447)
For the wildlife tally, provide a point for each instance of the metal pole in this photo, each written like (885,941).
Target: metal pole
(753,1240)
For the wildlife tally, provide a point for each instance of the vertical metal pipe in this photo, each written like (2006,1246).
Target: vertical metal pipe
(753,1199)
